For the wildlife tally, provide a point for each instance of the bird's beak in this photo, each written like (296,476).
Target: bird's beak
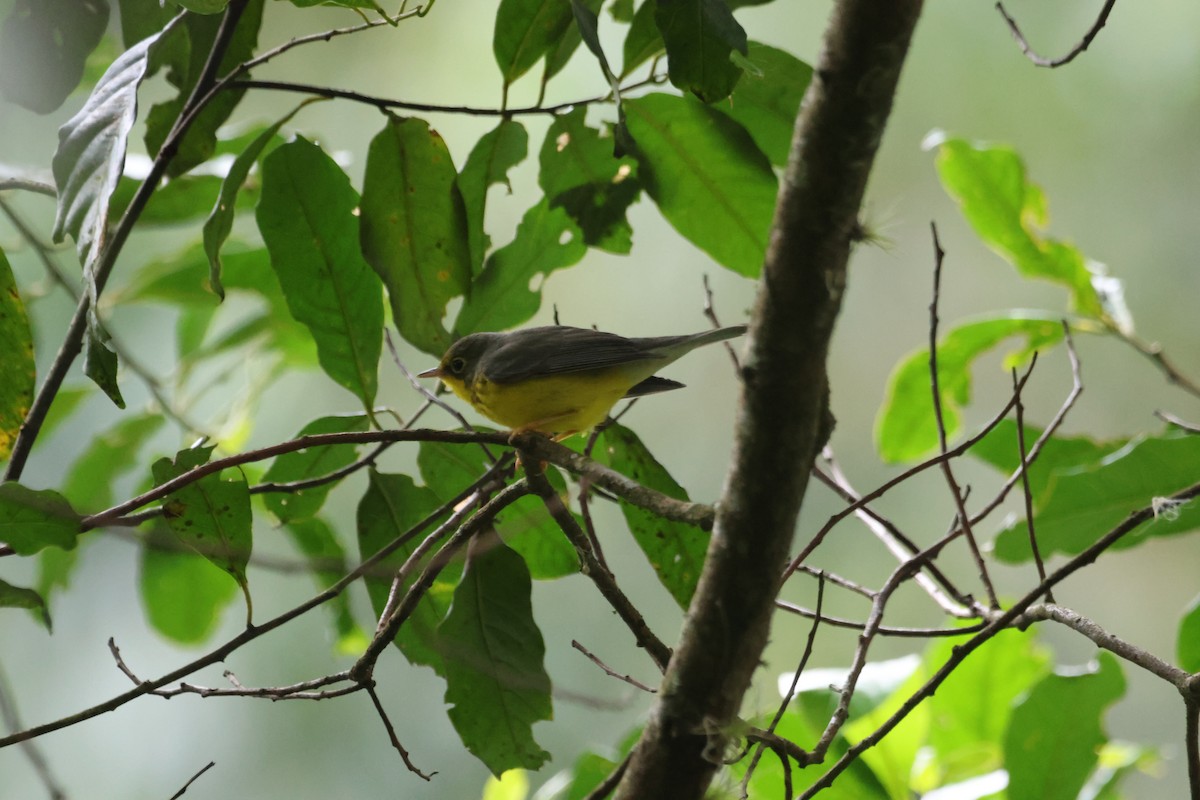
(436,372)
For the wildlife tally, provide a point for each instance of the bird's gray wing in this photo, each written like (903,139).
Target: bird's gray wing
(558,349)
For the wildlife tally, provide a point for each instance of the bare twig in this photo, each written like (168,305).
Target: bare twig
(998,622)
(1171,419)
(391,732)
(1051,429)
(1070,56)
(791,692)
(1028,494)
(1102,638)
(951,482)
(899,545)
(599,575)
(386,103)
(711,313)
(904,476)
(73,339)
(610,671)
(192,780)
(28,185)
(884,630)
(402,610)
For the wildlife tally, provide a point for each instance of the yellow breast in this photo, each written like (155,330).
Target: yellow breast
(566,403)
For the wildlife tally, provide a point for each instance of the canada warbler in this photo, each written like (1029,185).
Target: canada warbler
(557,379)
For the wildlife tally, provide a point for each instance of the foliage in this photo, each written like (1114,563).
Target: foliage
(280,260)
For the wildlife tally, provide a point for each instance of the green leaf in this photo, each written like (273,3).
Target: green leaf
(700,36)
(180,200)
(1009,212)
(766,101)
(586,23)
(64,404)
(589,771)
(803,721)
(327,559)
(643,41)
(142,18)
(44,45)
(906,428)
(204,6)
(307,219)
(414,229)
(184,593)
(527,30)
(100,360)
(707,176)
(391,506)
(16,360)
(496,152)
(186,51)
(315,462)
(112,453)
(1000,448)
(1056,731)
(496,683)
(547,239)
(31,519)
(971,710)
(211,515)
(512,785)
(579,173)
(220,218)
(54,570)
(91,153)
(19,597)
(1079,505)
(1187,646)
(525,526)
(675,550)
(621,10)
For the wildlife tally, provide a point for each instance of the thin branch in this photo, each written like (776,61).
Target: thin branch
(838,580)
(391,732)
(390,625)
(1154,352)
(1048,433)
(998,623)
(222,652)
(324,36)
(28,185)
(1027,492)
(899,545)
(606,786)
(610,671)
(904,476)
(955,490)
(72,342)
(711,313)
(192,780)
(1102,638)
(599,575)
(388,104)
(1083,44)
(791,692)
(43,250)
(1171,419)
(884,630)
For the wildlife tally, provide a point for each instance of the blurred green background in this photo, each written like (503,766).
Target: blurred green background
(1112,140)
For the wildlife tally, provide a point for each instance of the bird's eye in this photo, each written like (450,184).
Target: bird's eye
(457,365)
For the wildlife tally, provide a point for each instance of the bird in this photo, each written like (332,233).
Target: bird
(559,380)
